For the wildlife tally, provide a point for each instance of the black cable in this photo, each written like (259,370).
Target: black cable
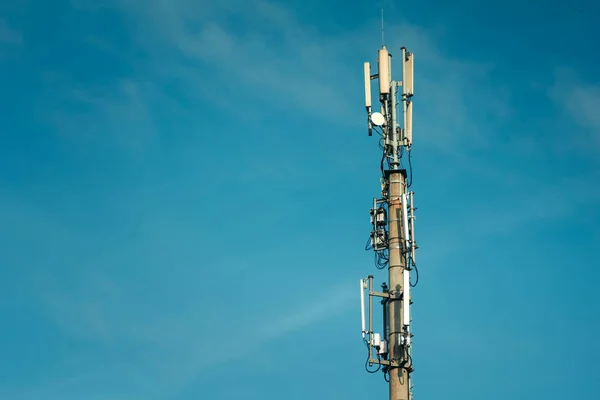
(367,362)
(368,246)
(377,260)
(417,272)
(410,361)
(381,164)
(410,168)
(381,259)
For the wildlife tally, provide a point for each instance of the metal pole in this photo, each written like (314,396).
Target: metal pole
(397,363)
(370,315)
(399,384)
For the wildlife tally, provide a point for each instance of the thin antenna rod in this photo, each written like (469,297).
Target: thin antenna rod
(382,30)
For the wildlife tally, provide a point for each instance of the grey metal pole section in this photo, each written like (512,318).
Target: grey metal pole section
(399,382)
(370,312)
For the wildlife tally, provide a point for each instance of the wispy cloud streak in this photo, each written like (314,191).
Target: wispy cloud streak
(162,346)
(581,101)
(279,61)
(9,36)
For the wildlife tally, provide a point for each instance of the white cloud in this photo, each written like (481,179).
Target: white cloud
(581,101)
(585,102)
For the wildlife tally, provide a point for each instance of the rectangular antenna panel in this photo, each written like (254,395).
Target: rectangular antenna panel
(367,85)
(362,306)
(412,229)
(405,222)
(408,75)
(407,122)
(407,91)
(406,295)
(383,65)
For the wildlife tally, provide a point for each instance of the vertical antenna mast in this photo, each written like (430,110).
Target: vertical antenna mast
(382,31)
(393,225)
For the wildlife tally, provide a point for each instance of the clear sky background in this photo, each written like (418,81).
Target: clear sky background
(185,186)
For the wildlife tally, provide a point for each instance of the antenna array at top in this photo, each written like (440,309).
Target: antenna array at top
(398,135)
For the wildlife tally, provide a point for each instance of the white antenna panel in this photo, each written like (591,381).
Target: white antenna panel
(406,295)
(383,65)
(407,92)
(367,85)
(408,122)
(408,78)
(362,307)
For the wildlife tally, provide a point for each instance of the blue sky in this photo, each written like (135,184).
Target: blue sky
(185,186)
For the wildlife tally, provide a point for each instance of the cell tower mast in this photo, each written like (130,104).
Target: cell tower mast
(392,236)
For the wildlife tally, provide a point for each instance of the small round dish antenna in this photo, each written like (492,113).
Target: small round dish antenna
(377,119)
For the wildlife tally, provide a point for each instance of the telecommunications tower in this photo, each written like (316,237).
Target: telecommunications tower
(392,236)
